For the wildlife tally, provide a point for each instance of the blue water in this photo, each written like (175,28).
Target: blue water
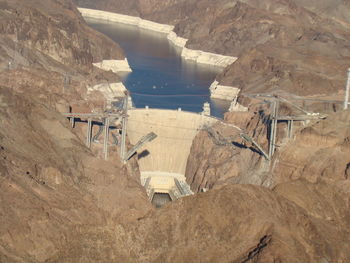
(160,78)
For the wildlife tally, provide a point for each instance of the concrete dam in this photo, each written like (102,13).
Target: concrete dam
(163,161)
(163,76)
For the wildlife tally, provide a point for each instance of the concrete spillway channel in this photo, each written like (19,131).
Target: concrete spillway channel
(163,161)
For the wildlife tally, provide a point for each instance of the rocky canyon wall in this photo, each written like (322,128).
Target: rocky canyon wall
(53,37)
(55,30)
(55,193)
(219,156)
(317,150)
(295,222)
(60,203)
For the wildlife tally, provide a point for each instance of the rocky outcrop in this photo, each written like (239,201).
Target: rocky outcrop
(55,30)
(295,222)
(110,91)
(52,39)
(53,190)
(319,151)
(220,156)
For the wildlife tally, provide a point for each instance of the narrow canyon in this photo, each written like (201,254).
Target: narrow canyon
(224,138)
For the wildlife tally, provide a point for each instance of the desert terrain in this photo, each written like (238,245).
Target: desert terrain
(61,202)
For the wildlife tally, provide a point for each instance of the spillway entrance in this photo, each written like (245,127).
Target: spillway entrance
(163,187)
(160,199)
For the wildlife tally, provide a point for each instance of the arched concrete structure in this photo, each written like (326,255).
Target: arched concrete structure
(175,131)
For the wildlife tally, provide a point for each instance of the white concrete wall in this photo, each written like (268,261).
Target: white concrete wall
(176,40)
(175,130)
(198,56)
(207,58)
(223,92)
(227,93)
(114,65)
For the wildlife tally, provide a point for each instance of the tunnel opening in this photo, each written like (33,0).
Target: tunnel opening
(162,187)
(160,199)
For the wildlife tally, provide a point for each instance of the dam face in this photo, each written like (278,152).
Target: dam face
(163,161)
(175,131)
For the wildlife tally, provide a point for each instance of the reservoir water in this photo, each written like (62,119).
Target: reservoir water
(160,78)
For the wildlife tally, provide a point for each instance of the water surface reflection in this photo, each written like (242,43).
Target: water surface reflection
(160,78)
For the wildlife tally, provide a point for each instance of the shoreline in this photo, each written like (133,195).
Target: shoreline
(198,56)
(121,65)
(201,57)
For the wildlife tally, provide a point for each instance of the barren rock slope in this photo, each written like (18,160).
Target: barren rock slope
(56,196)
(296,222)
(60,203)
(53,190)
(42,33)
